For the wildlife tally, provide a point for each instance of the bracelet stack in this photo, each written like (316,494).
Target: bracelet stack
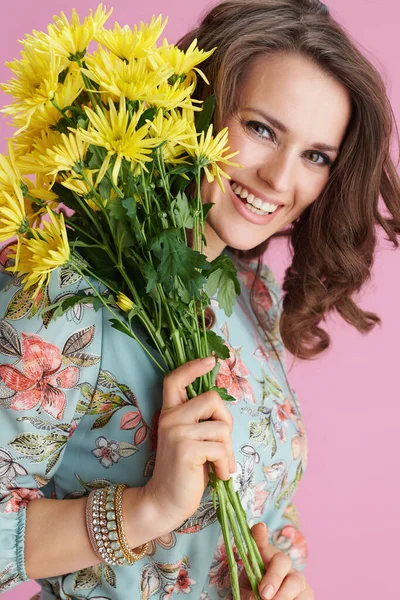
(105,525)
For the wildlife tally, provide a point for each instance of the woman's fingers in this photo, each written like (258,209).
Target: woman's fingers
(176,382)
(277,563)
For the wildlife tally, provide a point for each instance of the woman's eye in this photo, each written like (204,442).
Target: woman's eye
(326,161)
(254,125)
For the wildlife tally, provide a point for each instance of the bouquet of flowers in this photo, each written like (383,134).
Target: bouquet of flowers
(113,139)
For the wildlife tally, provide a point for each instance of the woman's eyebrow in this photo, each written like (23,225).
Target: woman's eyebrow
(279,125)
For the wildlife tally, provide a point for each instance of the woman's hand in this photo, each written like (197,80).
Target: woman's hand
(190,435)
(287,583)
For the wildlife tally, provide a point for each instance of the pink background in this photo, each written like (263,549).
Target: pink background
(348,500)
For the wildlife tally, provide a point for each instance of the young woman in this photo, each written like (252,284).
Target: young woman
(82,405)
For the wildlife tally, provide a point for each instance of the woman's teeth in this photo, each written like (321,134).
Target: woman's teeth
(254,204)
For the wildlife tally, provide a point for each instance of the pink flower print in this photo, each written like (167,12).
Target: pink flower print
(20,497)
(232,376)
(219,570)
(260,498)
(261,292)
(74,425)
(41,378)
(183,582)
(300,444)
(284,411)
(107,452)
(291,541)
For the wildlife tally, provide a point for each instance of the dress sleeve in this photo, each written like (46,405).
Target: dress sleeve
(43,364)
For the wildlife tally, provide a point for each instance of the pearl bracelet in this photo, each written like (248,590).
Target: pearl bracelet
(104,521)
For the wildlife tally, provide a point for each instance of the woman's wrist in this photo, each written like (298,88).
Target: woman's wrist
(142,520)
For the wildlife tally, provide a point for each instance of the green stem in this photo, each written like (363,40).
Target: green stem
(254,553)
(127,330)
(223,518)
(239,543)
(94,100)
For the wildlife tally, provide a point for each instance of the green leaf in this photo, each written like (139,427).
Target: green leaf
(130,206)
(224,394)
(223,276)
(151,276)
(105,188)
(177,259)
(96,157)
(216,344)
(203,118)
(148,114)
(206,208)
(180,206)
(117,210)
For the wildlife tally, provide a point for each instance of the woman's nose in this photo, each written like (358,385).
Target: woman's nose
(278,171)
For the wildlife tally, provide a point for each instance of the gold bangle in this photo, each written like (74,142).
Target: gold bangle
(130,555)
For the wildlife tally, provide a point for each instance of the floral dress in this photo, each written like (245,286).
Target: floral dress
(79,405)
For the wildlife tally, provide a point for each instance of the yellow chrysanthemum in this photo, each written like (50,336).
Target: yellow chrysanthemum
(35,84)
(128,44)
(182,62)
(46,114)
(124,302)
(113,131)
(70,39)
(82,188)
(47,250)
(208,151)
(31,162)
(135,80)
(172,129)
(67,156)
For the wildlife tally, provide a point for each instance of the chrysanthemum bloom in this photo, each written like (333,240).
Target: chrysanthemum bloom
(208,151)
(116,131)
(47,114)
(47,250)
(181,61)
(135,79)
(128,44)
(70,40)
(67,156)
(171,129)
(35,83)
(124,302)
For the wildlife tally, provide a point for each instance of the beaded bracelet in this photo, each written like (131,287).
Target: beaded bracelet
(104,520)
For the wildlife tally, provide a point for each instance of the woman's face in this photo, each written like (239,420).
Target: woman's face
(285,163)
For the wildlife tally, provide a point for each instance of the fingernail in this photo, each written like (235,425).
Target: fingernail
(209,360)
(268,592)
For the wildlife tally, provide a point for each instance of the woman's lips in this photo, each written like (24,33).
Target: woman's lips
(242,209)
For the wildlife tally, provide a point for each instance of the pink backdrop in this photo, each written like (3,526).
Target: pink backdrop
(348,500)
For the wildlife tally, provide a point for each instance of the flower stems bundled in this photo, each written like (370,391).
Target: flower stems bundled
(113,139)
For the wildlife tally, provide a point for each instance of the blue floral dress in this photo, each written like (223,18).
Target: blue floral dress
(79,404)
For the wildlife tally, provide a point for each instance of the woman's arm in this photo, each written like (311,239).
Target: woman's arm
(56,538)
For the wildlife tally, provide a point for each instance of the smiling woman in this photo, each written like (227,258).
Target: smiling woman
(314,125)
(310,124)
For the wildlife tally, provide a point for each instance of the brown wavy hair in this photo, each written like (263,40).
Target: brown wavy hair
(333,241)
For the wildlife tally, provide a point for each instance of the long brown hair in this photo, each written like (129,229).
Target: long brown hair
(334,239)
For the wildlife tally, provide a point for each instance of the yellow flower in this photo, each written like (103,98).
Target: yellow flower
(171,129)
(82,188)
(135,80)
(113,131)
(67,156)
(124,302)
(128,44)
(31,162)
(36,82)
(70,40)
(208,151)
(47,250)
(182,62)
(46,114)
